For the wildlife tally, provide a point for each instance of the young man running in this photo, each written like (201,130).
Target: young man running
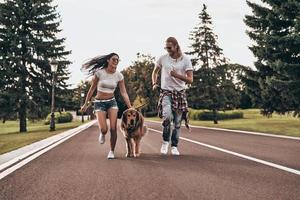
(176,71)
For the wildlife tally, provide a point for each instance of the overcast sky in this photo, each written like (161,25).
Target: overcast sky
(96,27)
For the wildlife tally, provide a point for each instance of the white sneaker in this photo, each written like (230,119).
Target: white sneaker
(111,155)
(164,148)
(175,151)
(101,138)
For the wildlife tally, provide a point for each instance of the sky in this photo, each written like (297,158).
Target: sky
(97,27)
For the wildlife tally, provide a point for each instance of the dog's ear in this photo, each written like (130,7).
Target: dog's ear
(138,118)
(124,119)
(140,123)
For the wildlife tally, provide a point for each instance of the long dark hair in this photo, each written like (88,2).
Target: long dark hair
(94,64)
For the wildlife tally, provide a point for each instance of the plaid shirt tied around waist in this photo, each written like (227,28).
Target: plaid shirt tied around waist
(178,104)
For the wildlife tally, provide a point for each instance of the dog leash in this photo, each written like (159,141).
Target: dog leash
(141,106)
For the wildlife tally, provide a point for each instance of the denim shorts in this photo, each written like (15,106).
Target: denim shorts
(104,105)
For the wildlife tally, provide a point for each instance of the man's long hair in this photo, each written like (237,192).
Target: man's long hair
(96,63)
(174,41)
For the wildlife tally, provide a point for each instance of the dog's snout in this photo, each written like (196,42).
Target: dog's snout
(131,121)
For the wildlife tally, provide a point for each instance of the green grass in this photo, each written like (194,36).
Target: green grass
(253,121)
(11,139)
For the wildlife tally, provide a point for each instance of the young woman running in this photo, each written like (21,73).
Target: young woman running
(106,78)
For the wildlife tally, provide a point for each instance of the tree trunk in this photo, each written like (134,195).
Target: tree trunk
(23,99)
(22,115)
(215,116)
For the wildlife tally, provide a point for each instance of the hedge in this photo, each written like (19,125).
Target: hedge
(151,114)
(208,115)
(59,118)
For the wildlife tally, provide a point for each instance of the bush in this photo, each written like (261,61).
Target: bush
(208,115)
(59,118)
(151,114)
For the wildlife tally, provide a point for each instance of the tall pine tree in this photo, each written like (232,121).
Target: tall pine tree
(275,29)
(28,41)
(212,88)
(204,45)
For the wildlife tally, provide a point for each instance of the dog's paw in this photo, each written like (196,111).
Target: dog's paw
(130,155)
(137,155)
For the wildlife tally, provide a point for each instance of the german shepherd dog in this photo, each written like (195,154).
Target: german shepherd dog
(133,129)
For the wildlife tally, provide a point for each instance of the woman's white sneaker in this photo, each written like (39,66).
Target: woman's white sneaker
(175,151)
(101,138)
(111,155)
(164,148)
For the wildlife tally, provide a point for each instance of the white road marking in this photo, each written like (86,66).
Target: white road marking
(281,167)
(38,152)
(240,131)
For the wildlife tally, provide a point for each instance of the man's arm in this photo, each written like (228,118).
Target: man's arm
(154,76)
(188,78)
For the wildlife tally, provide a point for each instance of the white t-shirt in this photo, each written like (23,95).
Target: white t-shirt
(107,81)
(181,65)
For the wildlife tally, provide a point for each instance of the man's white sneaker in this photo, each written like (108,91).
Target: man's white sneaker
(175,151)
(164,148)
(111,155)
(101,138)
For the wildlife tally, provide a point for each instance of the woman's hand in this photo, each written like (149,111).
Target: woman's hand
(84,108)
(124,93)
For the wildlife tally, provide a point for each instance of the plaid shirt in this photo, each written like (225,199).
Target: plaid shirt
(179,103)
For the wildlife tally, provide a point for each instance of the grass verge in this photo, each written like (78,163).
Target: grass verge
(11,139)
(253,121)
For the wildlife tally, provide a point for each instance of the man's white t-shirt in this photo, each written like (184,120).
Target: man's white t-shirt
(181,66)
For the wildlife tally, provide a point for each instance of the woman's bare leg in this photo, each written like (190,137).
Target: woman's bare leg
(112,115)
(101,117)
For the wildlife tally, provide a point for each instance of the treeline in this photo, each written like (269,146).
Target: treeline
(28,42)
(219,85)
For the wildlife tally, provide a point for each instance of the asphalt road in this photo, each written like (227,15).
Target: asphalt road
(78,169)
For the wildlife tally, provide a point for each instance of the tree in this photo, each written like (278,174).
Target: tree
(27,42)
(204,47)
(213,86)
(275,29)
(7,106)
(138,79)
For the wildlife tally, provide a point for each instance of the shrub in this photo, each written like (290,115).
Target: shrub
(208,115)
(151,114)
(59,118)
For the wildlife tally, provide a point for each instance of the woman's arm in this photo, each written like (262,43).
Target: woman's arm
(90,92)
(124,93)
